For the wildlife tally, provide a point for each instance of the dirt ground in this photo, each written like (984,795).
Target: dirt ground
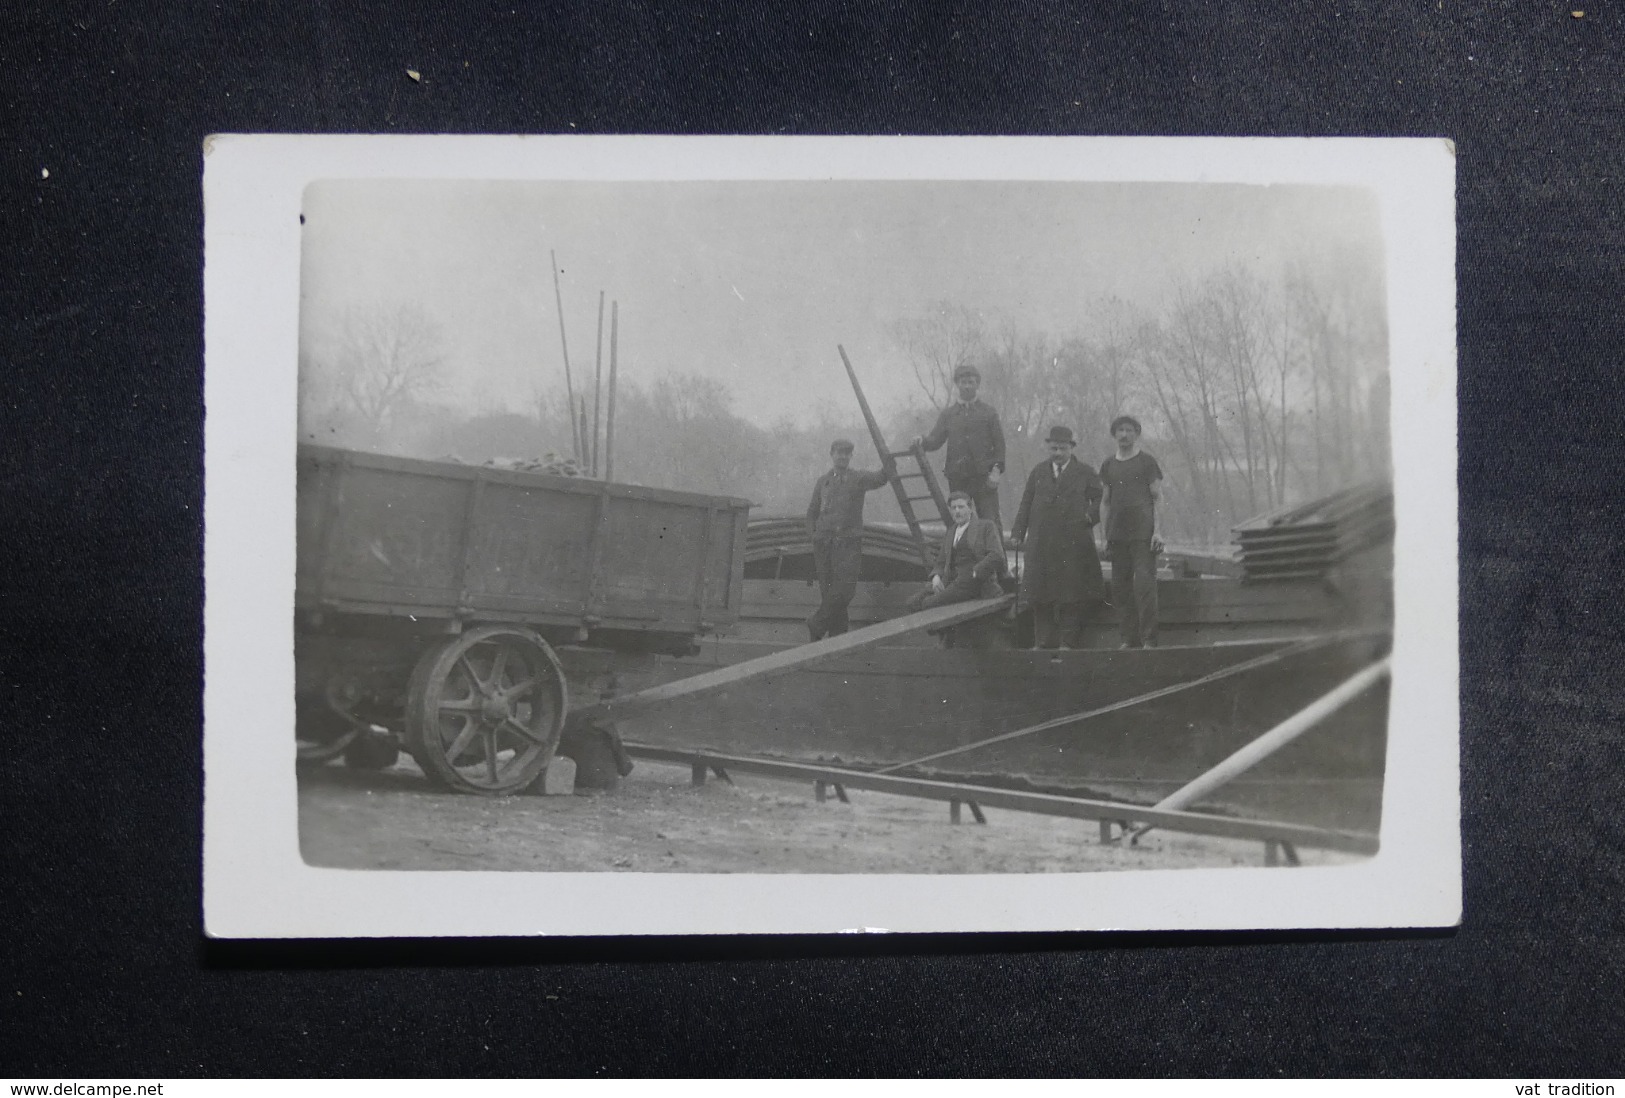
(657,821)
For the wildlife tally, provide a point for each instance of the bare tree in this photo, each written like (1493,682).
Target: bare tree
(937,343)
(385,360)
(686,398)
(1114,324)
(1020,371)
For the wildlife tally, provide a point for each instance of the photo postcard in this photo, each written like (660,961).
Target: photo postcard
(659,535)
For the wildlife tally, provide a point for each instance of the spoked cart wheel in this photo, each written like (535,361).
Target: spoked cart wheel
(484,710)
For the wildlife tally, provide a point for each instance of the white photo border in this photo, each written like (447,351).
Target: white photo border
(257,886)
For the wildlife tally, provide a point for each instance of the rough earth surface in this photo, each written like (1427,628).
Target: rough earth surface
(657,821)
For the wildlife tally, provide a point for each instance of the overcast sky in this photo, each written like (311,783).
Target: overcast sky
(756,283)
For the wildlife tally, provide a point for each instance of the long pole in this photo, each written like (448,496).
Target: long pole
(582,420)
(609,416)
(597,382)
(863,405)
(1275,739)
(569,387)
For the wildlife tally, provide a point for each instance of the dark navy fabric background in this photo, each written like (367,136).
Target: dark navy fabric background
(105,971)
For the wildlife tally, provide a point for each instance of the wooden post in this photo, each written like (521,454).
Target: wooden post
(569,386)
(597,383)
(819,792)
(697,774)
(609,414)
(840,793)
(953,812)
(585,445)
(976,812)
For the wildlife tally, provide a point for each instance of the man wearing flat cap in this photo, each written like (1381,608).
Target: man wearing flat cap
(975,438)
(835,524)
(1061,575)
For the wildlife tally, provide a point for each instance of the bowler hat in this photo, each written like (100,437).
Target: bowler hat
(965,369)
(1061,434)
(841,444)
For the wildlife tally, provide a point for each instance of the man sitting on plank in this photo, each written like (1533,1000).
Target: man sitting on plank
(969,561)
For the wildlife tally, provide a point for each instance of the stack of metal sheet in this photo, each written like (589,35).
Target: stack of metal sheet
(780,547)
(1304,540)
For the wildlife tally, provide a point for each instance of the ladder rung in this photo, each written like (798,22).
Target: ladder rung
(910,476)
(918,499)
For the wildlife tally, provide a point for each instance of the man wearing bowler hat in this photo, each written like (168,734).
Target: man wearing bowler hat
(835,524)
(1061,575)
(975,460)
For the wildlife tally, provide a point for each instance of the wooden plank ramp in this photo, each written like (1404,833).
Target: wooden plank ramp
(940,617)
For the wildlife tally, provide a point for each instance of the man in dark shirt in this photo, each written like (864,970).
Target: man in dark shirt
(975,460)
(1133,484)
(835,522)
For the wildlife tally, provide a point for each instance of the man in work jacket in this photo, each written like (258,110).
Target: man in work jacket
(968,562)
(835,524)
(1061,576)
(975,460)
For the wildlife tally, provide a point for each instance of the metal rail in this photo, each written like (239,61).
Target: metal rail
(1275,835)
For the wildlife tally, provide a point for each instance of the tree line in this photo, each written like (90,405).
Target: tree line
(1253,393)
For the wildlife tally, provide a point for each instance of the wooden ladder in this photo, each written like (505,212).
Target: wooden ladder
(902,481)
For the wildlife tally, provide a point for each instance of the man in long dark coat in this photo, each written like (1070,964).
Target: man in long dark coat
(1061,574)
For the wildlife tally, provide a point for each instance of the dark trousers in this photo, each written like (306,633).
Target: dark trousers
(965,588)
(838,561)
(1134,590)
(985,496)
(1056,624)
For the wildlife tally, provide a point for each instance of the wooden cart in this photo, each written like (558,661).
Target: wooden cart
(430,597)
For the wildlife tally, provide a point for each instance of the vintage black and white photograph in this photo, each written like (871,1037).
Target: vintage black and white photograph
(698,526)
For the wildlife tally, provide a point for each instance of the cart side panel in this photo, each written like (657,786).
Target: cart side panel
(315,486)
(396,536)
(529,543)
(400,536)
(651,558)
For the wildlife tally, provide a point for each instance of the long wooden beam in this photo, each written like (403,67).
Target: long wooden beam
(937,618)
(1272,741)
(1278,737)
(564,346)
(1049,804)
